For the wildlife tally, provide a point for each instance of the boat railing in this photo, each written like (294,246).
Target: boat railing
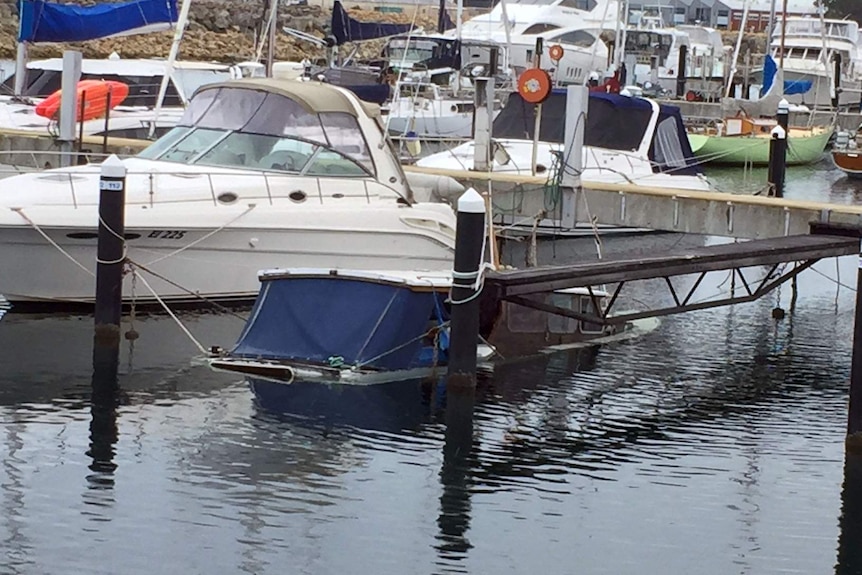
(224,187)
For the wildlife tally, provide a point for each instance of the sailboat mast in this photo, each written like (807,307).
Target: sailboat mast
(783,33)
(771,27)
(270,37)
(182,20)
(736,49)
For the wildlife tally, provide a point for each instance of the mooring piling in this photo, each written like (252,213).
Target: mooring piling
(836,80)
(777,159)
(854,416)
(681,72)
(466,288)
(110,251)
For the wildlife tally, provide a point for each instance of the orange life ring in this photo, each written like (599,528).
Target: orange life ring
(534,85)
(556,52)
(95,97)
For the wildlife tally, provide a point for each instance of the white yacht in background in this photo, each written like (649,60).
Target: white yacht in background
(811,46)
(258,173)
(132,118)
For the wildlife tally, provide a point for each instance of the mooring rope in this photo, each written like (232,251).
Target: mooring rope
(185,330)
(20,212)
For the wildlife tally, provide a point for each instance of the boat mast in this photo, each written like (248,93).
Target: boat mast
(783,33)
(736,49)
(771,28)
(270,38)
(182,20)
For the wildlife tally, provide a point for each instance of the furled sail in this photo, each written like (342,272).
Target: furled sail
(51,22)
(346,29)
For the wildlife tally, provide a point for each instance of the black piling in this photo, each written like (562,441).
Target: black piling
(783,115)
(777,159)
(680,71)
(110,259)
(854,416)
(469,243)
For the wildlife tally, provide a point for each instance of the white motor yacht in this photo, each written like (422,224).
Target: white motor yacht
(258,173)
(811,47)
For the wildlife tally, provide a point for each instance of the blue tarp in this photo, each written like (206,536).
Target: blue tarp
(346,29)
(314,320)
(50,22)
(791,87)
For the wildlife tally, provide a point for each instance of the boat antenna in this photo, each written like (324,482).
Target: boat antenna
(182,20)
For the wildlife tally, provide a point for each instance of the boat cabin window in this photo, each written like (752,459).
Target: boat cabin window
(539,29)
(575,38)
(521,319)
(587,307)
(811,54)
(561,323)
(244,128)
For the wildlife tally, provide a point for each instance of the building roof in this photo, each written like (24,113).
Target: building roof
(793,6)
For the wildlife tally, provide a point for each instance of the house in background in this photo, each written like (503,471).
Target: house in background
(721,14)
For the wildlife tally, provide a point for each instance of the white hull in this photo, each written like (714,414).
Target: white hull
(820,94)
(221,265)
(426,124)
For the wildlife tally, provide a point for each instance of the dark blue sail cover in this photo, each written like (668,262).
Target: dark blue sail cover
(330,319)
(50,22)
(346,29)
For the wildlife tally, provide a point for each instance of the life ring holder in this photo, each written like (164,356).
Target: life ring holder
(534,85)
(556,52)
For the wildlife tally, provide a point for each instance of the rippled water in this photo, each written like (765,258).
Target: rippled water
(712,445)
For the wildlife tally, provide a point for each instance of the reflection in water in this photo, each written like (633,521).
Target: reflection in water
(455,478)
(850,523)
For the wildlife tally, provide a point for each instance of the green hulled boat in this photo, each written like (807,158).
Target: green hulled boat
(805,145)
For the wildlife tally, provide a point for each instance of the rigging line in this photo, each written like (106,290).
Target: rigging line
(21,213)
(430,332)
(204,237)
(185,330)
(215,304)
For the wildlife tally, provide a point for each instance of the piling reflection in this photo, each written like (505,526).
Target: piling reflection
(103,412)
(455,476)
(850,523)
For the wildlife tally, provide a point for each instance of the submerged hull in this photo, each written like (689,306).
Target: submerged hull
(848,162)
(755,150)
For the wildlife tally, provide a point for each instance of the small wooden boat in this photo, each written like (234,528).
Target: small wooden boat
(847,154)
(97,96)
(744,140)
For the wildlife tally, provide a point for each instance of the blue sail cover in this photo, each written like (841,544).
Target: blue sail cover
(791,87)
(50,22)
(315,319)
(346,29)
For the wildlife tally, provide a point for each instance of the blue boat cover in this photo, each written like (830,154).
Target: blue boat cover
(346,29)
(374,93)
(50,22)
(332,320)
(791,87)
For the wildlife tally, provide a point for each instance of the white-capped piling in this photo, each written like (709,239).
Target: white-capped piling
(466,288)
(778,150)
(111,248)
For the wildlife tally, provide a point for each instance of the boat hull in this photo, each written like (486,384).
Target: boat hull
(732,150)
(848,162)
(202,260)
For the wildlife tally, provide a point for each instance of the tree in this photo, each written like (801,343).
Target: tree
(844,8)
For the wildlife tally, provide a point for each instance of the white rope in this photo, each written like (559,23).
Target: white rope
(202,238)
(200,347)
(21,213)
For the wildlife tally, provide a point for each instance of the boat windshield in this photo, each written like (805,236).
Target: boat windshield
(245,128)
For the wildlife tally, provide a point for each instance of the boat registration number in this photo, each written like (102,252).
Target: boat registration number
(167,234)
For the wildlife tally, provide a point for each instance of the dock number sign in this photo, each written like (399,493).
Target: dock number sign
(110,186)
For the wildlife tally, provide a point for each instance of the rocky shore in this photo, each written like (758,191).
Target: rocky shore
(217,31)
(227,31)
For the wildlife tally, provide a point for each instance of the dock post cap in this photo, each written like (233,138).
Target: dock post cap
(779,133)
(113,167)
(471,202)
(783,106)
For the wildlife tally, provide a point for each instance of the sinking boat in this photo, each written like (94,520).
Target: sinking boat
(360,328)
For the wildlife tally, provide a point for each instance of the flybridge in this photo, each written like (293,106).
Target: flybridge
(51,22)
